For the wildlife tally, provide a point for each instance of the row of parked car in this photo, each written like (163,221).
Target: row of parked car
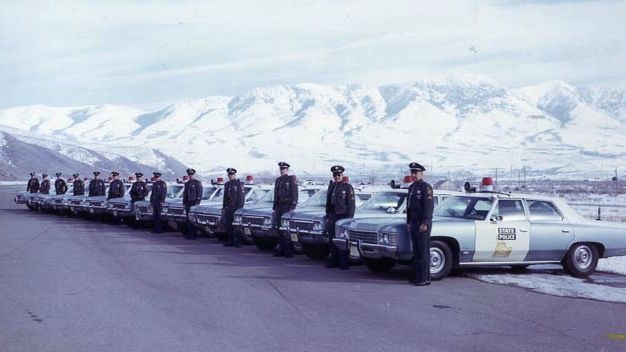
(469,229)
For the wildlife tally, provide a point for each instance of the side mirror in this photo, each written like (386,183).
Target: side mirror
(391,210)
(496,218)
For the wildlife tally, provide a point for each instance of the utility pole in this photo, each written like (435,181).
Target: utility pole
(496,185)
(524,185)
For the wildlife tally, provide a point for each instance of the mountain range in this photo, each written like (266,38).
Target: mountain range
(466,123)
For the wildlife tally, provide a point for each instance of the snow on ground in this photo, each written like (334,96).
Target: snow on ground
(615,265)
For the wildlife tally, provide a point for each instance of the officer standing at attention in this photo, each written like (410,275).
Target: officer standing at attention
(60,187)
(33,184)
(79,185)
(116,187)
(138,191)
(285,200)
(419,215)
(157,197)
(340,204)
(96,186)
(45,184)
(192,194)
(234,198)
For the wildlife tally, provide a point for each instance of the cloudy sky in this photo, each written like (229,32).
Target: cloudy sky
(147,53)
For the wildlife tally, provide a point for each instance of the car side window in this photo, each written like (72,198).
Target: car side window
(510,210)
(543,211)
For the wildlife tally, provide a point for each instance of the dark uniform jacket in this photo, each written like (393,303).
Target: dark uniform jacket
(285,193)
(79,187)
(340,199)
(33,185)
(159,192)
(420,203)
(96,187)
(45,186)
(138,191)
(116,189)
(60,187)
(192,193)
(234,195)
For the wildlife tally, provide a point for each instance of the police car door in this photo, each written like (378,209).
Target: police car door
(504,235)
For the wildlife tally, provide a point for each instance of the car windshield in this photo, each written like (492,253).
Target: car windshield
(474,208)
(316,200)
(173,190)
(207,191)
(384,202)
(219,195)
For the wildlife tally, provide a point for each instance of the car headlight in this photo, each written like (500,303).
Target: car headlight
(317,226)
(388,238)
(238,218)
(267,221)
(110,206)
(164,209)
(284,222)
(149,209)
(343,234)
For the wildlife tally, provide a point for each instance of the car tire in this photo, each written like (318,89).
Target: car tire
(30,207)
(315,251)
(581,260)
(379,265)
(441,260)
(263,243)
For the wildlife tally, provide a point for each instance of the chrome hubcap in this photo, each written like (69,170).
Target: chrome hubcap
(583,257)
(437,260)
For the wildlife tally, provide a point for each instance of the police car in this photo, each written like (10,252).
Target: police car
(97,205)
(121,207)
(143,211)
(489,229)
(173,211)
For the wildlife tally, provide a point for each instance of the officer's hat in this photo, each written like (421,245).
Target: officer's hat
(96,173)
(156,174)
(44,175)
(75,175)
(32,174)
(138,174)
(58,174)
(231,171)
(191,171)
(337,169)
(283,164)
(115,173)
(416,167)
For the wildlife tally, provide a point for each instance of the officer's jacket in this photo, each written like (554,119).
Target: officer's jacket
(234,195)
(45,186)
(33,185)
(420,203)
(60,187)
(285,192)
(96,187)
(139,190)
(159,192)
(340,199)
(116,189)
(192,193)
(79,187)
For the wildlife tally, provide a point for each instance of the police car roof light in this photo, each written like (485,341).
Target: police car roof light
(487,181)
(249,179)
(346,179)
(220,180)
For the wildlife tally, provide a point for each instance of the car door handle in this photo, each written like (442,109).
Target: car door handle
(523,230)
(565,231)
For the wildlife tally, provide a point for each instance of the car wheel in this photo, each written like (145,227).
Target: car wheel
(315,251)
(263,243)
(581,260)
(379,265)
(441,260)
(30,207)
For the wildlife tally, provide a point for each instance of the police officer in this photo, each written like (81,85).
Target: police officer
(45,184)
(33,184)
(138,191)
(285,200)
(116,187)
(157,197)
(79,185)
(419,214)
(96,186)
(340,204)
(60,187)
(192,194)
(234,198)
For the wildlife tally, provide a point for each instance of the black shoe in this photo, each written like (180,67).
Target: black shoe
(427,283)
(227,245)
(278,254)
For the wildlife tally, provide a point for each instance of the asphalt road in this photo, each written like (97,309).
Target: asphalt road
(73,285)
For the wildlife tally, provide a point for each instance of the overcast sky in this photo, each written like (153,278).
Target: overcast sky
(147,53)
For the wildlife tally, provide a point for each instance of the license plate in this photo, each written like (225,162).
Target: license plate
(354,251)
(114,213)
(91,210)
(294,237)
(247,231)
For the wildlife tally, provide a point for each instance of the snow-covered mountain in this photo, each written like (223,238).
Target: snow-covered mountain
(469,123)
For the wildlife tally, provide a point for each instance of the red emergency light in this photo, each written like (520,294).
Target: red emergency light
(407,179)
(185,178)
(220,180)
(345,179)
(487,181)
(249,179)
(131,179)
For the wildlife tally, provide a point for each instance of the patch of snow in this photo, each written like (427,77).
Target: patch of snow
(615,265)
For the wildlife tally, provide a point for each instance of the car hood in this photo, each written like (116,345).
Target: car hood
(257,211)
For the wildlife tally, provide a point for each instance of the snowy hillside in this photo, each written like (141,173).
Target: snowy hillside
(449,124)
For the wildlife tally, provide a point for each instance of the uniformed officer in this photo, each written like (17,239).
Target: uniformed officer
(33,184)
(96,186)
(192,194)
(138,191)
(285,200)
(340,204)
(157,197)
(45,184)
(419,214)
(60,187)
(116,187)
(234,198)
(79,185)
